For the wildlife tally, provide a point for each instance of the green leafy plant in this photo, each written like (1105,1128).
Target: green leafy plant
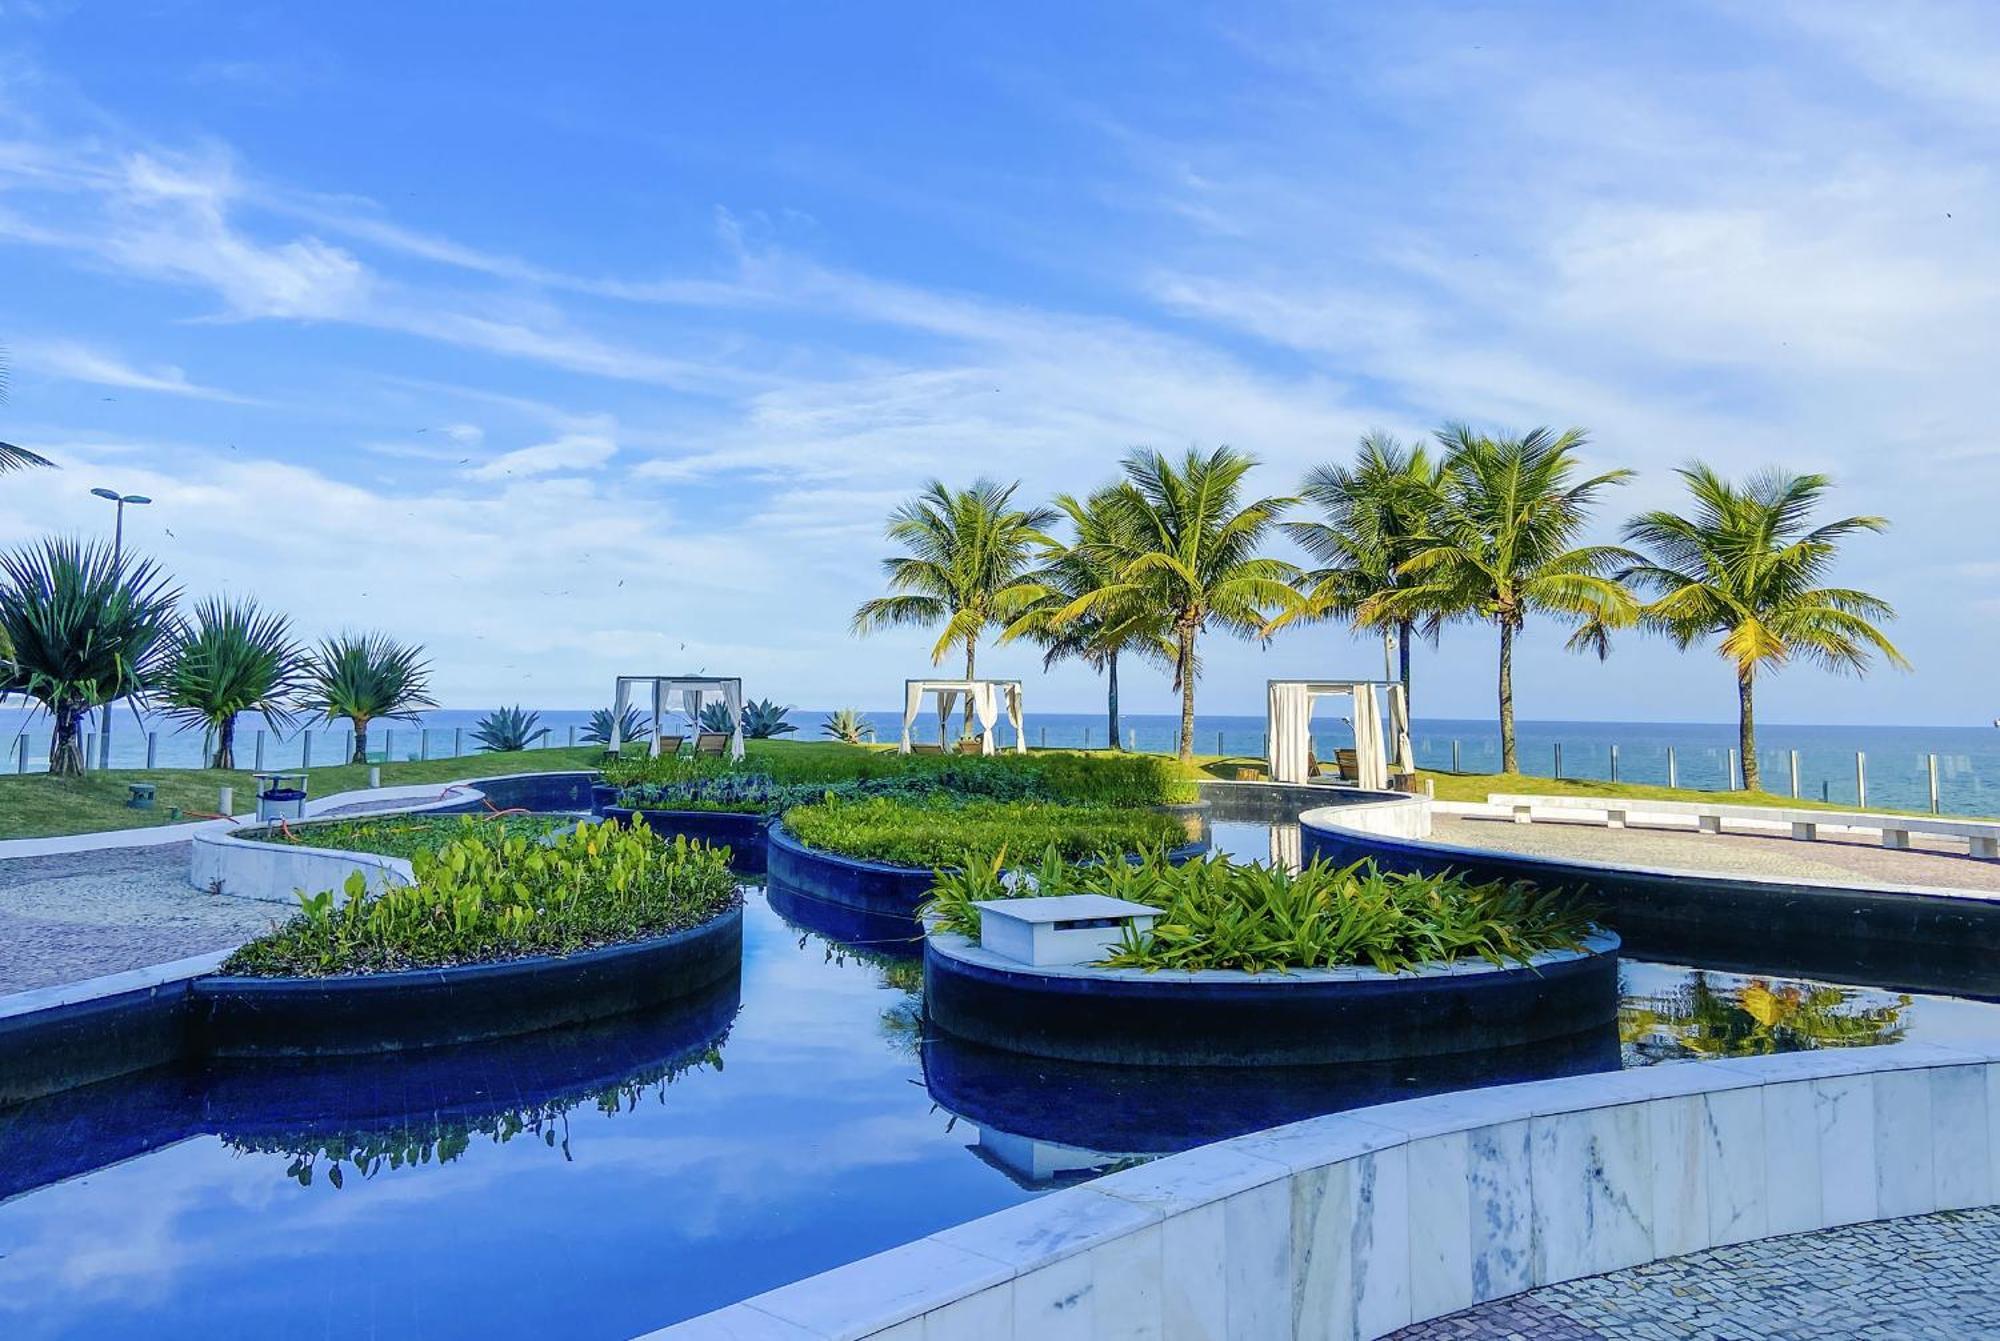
(938,831)
(508,729)
(715,717)
(366,677)
(83,628)
(405,835)
(231,658)
(763,719)
(480,898)
(1218,914)
(632,726)
(848,726)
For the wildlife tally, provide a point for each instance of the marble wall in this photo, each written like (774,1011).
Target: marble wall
(1353,1225)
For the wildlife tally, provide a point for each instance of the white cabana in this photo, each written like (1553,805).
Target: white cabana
(988,699)
(1378,753)
(695,690)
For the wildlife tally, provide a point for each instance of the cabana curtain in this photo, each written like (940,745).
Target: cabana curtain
(694,690)
(1377,754)
(987,698)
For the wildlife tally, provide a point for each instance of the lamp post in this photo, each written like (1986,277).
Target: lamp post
(117,558)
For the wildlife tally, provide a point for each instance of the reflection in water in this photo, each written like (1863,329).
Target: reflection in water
(1667,1016)
(891,946)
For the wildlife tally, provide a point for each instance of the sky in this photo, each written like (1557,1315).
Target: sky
(596,340)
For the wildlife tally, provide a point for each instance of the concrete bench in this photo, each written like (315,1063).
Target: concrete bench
(1982,837)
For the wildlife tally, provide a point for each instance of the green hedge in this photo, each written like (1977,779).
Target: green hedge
(491,896)
(943,833)
(404,835)
(1223,915)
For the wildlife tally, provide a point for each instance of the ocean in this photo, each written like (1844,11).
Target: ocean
(1895,759)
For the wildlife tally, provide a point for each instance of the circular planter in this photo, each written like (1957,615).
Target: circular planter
(870,886)
(421,1008)
(742,834)
(1306,1017)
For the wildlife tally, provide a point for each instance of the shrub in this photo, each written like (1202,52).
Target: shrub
(406,835)
(848,726)
(508,730)
(1222,915)
(480,898)
(938,832)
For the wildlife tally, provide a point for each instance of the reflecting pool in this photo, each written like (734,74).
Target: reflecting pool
(603,1181)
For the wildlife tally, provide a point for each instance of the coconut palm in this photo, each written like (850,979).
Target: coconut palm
(1747,568)
(1503,546)
(1374,517)
(366,677)
(84,628)
(966,553)
(1102,545)
(12,457)
(231,658)
(1195,557)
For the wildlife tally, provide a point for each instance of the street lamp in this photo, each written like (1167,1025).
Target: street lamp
(117,557)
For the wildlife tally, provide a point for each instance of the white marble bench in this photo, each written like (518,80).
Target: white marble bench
(1982,837)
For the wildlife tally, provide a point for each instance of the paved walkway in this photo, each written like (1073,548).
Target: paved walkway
(1848,858)
(83,914)
(1930,1276)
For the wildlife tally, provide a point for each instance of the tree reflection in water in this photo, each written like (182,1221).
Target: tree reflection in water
(1724,1015)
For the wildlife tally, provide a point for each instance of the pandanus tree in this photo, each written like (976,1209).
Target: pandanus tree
(83,628)
(1374,516)
(231,658)
(1503,546)
(1749,568)
(366,677)
(965,554)
(1195,558)
(1102,544)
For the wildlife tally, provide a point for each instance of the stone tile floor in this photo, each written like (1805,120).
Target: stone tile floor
(82,914)
(1929,1276)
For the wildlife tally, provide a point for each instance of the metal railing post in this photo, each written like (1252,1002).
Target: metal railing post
(1218,743)
(306,755)
(1860,780)
(1086,737)
(153,749)
(260,752)
(1673,769)
(458,740)
(21,750)
(1454,756)
(1614,761)
(1731,784)
(1559,761)
(423,742)
(572,735)
(1131,739)
(1795,774)
(1931,761)
(1045,736)
(389,744)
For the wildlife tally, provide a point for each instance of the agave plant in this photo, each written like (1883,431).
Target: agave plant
(847,726)
(763,719)
(715,717)
(365,677)
(231,658)
(84,628)
(632,726)
(508,730)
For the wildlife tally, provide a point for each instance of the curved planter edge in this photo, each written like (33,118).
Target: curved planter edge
(742,832)
(418,1008)
(1311,1017)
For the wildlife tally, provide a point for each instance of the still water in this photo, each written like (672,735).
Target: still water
(603,1181)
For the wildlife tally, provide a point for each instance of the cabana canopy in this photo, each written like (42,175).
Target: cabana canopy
(1376,755)
(694,690)
(987,698)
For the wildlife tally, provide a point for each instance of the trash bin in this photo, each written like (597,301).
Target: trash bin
(281,796)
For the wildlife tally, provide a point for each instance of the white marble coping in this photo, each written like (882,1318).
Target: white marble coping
(1356,1224)
(1833,819)
(1065,908)
(1328,817)
(111,984)
(954,946)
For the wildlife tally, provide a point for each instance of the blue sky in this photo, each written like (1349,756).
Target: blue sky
(601,340)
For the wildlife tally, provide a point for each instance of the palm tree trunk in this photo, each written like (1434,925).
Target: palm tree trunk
(1746,728)
(1510,761)
(1186,664)
(360,740)
(1111,700)
(971,673)
(65,747)
(225,742)
(1403,631)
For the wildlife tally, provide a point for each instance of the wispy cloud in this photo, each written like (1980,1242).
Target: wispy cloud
(569,453)
(84,363)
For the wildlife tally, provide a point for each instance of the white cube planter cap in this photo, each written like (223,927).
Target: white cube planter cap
(1063,929)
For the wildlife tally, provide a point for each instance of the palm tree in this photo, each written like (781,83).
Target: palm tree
(84,628)
(231,658)
(967,550)
(1103,545)
(12,457)
(1195,557)
(1747,568)
(363,677)
(1503,546)
(1375,517)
